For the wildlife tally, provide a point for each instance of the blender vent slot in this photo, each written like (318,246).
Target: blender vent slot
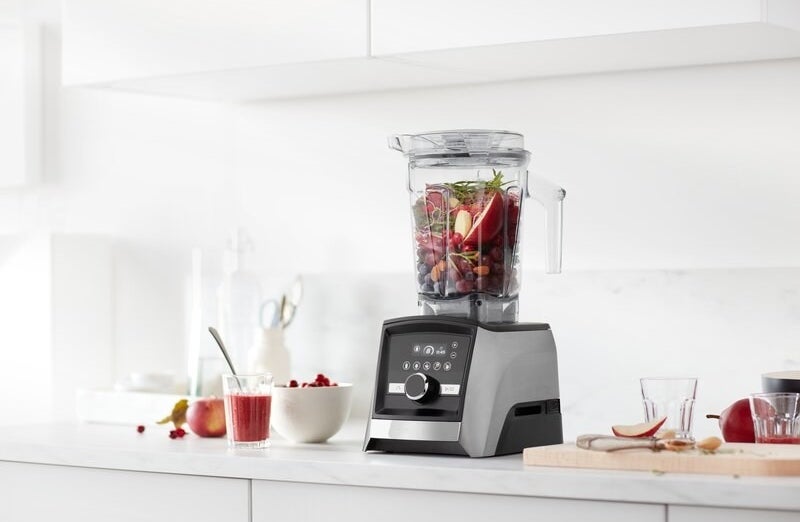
(533,409)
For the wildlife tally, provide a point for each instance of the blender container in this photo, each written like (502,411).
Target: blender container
(467,190)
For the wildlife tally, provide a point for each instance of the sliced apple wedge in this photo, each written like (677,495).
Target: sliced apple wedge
(645,429)
(488,223)
(463,223)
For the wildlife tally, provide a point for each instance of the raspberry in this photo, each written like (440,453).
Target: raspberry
(173,434)
(320,376)
(305,385)
(180,432)
(140,428)
(293,384)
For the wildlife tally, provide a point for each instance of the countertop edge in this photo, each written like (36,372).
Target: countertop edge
(342,462)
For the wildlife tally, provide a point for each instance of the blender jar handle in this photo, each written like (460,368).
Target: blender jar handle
(551,197)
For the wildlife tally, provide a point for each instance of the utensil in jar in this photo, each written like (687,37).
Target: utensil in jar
(221,345)
(290,302)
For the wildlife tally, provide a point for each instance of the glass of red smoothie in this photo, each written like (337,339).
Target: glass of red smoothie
(776,417)
(248,401)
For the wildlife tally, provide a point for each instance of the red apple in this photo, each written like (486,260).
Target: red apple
(736,422)
(206,417)
(646,429)
(488,223)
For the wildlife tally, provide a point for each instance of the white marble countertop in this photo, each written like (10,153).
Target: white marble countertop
(341,461)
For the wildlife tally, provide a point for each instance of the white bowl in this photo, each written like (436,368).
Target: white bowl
(310,414)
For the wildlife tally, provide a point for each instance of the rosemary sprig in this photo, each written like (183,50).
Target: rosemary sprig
(466,191)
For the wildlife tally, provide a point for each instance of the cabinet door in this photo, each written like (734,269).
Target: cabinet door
(293,501)
(423,25)
(712,514)
(106,41)
(44,492)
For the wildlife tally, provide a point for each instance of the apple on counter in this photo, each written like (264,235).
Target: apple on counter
(736,422)
(206,417)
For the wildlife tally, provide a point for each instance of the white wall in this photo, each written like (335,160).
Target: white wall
(681,209)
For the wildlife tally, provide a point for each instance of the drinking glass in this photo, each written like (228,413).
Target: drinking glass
(672,398)
(776,419)
(248,402)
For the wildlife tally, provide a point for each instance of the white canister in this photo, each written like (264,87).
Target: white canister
(269,354)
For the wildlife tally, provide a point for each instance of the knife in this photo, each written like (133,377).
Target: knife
(609,443)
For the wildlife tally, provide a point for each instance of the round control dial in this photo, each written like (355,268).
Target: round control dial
(421,388)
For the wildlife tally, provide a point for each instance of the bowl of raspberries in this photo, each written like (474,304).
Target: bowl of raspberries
(310,411)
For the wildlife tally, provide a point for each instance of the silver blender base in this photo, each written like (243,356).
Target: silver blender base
(499,396)
(480,307)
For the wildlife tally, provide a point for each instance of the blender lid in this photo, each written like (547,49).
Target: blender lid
(457,142)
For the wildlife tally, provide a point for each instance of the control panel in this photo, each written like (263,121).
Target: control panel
(422,369)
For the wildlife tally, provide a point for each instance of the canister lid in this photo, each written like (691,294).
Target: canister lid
(458,142)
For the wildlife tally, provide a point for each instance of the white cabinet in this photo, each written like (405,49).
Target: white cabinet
(448,24)
(511,39)
(127,39)
(243,50)
(711,514)
(293,501)
(44,492)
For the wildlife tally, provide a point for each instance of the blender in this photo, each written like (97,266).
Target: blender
(465,377)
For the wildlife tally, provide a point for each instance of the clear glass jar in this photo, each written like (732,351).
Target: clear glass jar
(467,189)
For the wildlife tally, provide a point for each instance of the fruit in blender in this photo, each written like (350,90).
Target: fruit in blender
(206,417)
(459,245)
(645,429)
(488,223)
(736,422)
(463,223)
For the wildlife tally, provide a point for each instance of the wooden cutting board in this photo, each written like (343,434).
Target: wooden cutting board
(778,460)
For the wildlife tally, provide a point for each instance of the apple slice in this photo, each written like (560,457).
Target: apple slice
(463,223)
(488,223)
(645,429)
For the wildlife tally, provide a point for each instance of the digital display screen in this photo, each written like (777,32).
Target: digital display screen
(433,349)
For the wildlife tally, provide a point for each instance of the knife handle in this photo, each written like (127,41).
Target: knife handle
(609,443)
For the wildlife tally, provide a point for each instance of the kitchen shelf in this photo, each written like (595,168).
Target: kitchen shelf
(417,44)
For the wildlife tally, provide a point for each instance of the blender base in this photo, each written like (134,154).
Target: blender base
(480,307)
(451,385)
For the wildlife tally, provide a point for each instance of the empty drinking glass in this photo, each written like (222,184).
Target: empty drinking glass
(672,398)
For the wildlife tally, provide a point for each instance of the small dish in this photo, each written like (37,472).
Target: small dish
(311,414)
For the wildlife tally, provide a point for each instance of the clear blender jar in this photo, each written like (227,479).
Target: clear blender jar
(467,190)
